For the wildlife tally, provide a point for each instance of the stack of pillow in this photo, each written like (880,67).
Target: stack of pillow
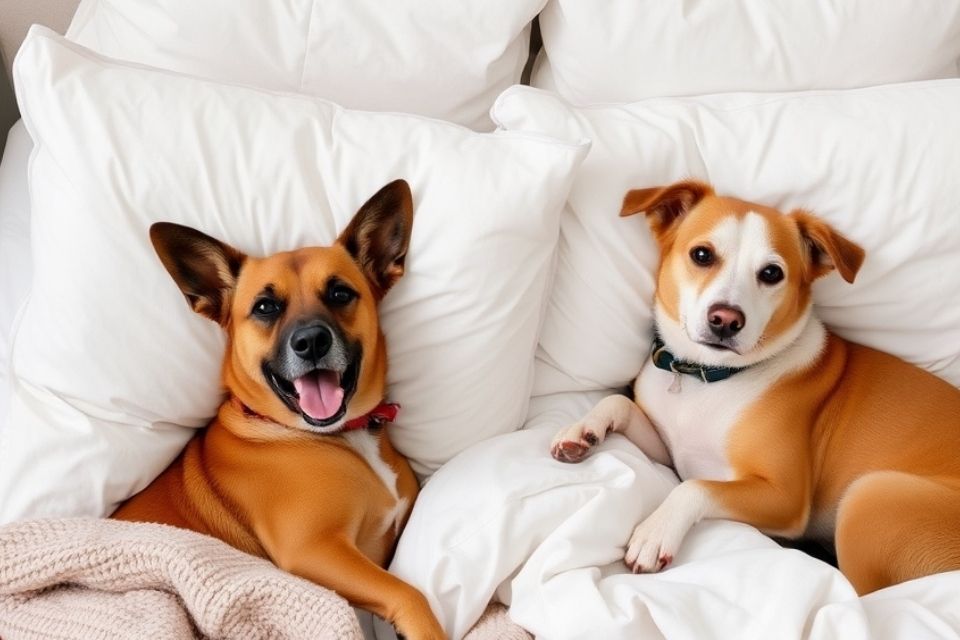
(246,119)
(111,373)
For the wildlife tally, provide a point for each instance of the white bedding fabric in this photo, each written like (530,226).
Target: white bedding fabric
(504,519)
(15,263)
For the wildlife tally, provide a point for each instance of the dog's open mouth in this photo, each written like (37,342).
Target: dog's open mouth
(320,396)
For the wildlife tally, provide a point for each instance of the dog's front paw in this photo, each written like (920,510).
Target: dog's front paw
(415,620)
(654,543)
(574,443)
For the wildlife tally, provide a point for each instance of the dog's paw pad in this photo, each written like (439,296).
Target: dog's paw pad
(574,443)
(569,451)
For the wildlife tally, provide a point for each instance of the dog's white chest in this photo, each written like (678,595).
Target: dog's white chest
(366,444)
(695,420)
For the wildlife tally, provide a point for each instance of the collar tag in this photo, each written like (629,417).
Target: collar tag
(676,386)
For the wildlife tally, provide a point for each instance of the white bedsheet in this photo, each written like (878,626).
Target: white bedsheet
(15,264)
(505,520)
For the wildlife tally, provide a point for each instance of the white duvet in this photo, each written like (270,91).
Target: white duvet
(505,520)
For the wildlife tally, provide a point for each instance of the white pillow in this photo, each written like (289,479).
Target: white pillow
(15,266)
(627,50)
(438,58)
(880,164)
(111,365)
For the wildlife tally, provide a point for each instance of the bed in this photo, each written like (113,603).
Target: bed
(818,112)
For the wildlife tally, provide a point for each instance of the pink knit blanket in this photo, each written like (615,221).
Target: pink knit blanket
(85,579)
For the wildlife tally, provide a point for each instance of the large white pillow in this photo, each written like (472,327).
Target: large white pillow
(15,265)
(627,50)
(881,164)
(111,365)
(438,58)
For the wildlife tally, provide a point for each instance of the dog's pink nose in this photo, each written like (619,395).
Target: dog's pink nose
(725,320)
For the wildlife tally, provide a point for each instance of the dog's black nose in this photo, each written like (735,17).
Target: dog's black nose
(311,343)
(725,320)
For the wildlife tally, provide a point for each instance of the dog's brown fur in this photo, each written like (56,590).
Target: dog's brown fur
(258,477)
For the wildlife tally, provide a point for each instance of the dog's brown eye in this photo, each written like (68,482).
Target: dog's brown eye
(339,295)
(266,309)
(702,256)
(770,274)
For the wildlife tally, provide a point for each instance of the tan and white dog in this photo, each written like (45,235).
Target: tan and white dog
(767,417)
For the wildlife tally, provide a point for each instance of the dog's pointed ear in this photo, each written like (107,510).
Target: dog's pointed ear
(826,248)
(664,206)
(379,235)
(204,268)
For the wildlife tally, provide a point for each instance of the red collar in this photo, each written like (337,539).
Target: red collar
(382,414)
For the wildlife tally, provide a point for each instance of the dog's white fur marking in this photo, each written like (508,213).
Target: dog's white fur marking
(695,423)
(367,445)
(744,248)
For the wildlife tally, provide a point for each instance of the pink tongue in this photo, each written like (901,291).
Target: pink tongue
(320,394)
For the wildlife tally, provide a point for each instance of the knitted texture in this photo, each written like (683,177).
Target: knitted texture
(92,579)
(495,624)
(87,579)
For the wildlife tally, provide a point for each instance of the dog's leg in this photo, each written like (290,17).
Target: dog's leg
(613,413)
(776,509)
(337,564)
(894,526)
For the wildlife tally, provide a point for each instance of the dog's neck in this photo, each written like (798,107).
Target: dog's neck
(264,427)
(798,348)
(663,359)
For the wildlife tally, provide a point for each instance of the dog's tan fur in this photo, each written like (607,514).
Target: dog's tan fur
(259,478)
(850,444)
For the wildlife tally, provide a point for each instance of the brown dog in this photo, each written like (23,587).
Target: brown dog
(295,468)
(768,418)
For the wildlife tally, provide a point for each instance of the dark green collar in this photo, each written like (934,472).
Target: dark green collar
(665,360)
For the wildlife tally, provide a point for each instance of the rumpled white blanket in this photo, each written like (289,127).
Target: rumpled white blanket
(503,519)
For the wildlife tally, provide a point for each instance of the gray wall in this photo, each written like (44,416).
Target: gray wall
(16,16)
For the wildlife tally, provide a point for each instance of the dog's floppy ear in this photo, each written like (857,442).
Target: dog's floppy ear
(379,234)
(204,268)
(826,248)
(664,206)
